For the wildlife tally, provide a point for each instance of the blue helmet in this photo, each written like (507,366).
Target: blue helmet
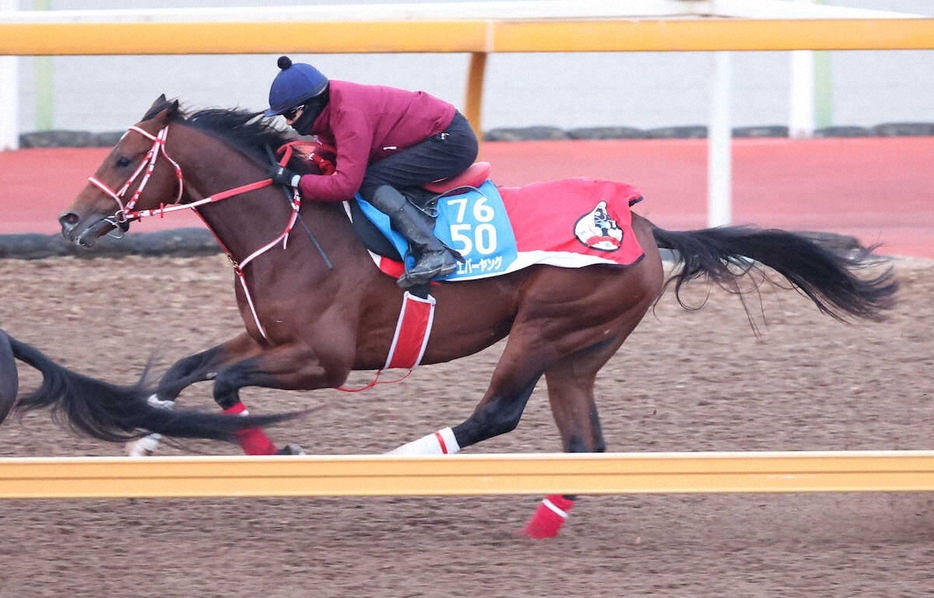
(294,84)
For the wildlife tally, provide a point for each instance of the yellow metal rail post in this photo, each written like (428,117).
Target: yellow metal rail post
(473,103)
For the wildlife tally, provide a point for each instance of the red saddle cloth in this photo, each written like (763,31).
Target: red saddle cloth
(573,222)
(569,223)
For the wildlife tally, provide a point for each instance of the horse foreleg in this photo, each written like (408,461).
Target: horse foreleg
(195,368)
(286,367)
(185,372)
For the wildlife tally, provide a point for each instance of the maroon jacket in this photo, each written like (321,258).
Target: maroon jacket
(366,123)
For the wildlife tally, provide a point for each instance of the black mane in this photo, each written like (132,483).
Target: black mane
(248,131)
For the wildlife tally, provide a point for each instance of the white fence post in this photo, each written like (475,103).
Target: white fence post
(9,94)
(719,144)
(801,117)
(801,120)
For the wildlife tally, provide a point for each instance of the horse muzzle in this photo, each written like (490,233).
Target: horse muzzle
(85,232)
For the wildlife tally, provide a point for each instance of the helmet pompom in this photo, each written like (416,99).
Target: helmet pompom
(284,62)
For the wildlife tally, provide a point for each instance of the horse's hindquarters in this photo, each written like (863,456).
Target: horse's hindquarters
(9,381)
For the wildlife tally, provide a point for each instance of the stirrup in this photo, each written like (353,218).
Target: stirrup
(407,281)
(410,278)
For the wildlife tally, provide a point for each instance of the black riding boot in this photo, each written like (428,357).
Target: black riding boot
(432,257)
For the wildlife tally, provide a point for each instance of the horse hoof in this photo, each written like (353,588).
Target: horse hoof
(549,518)
(290,449)
(144,447)
(539,532)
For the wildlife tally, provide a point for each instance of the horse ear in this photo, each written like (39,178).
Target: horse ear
(156,107)
(162,108)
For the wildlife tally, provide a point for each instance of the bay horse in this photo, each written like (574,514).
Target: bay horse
(315,307)
(106,411)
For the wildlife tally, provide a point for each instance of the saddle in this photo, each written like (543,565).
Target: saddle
(568,223)
(322,158)
(376,241)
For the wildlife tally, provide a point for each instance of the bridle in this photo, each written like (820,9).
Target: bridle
(127,212)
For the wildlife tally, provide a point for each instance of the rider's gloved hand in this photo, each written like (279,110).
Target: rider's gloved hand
(283,176)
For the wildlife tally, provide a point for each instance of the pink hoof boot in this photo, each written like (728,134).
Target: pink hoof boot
(549,517)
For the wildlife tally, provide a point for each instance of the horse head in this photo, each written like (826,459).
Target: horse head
(225,153)
(116,190)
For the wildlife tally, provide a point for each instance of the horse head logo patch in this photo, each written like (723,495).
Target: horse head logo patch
(598,231)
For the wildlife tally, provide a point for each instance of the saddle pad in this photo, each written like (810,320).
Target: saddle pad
(474,222)
(569,223)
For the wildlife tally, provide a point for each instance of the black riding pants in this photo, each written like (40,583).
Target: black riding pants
(441,156)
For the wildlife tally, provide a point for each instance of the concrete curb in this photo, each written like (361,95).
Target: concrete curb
(182,242)
(196,242)
(700,132)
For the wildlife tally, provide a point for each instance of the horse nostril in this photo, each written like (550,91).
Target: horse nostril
(68,219)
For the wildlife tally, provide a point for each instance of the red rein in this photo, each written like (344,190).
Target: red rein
(126,212)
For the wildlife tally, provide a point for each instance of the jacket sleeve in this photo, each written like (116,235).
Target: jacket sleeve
(352,136)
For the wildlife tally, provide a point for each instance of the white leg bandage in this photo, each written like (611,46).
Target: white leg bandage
(147,445)
(441,442)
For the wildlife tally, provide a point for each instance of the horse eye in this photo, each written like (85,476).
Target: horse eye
(123,161)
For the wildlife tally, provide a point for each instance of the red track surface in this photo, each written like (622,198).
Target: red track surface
(880,190)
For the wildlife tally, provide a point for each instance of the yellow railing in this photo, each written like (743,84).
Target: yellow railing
(157,477)
(476,37)
(682,35)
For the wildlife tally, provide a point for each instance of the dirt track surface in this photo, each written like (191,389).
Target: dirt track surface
(685,381)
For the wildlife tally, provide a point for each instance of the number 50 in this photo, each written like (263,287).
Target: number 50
(483,237)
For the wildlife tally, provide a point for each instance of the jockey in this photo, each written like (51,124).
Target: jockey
(388,141)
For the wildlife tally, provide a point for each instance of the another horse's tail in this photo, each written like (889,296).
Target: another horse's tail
(822,269)
(106,411)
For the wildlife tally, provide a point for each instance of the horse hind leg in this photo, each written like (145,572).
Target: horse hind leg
(571,397)
(498,411)
(570,392)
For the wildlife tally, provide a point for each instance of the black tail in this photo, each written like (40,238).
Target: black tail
(106,411)
(823,270)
